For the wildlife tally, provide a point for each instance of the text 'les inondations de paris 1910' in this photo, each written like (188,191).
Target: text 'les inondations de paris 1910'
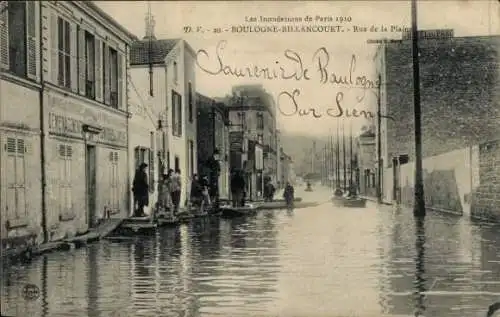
(215,65)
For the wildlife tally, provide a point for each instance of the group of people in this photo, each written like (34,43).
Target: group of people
(169,191)
(204,190)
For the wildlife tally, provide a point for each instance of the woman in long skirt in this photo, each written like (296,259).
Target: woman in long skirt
(165,205)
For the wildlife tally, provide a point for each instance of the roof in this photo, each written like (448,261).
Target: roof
(115,23)
(139,51)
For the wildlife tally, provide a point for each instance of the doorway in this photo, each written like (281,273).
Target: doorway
(90,165)
(395,180)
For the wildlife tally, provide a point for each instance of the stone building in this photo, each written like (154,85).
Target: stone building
(252,109)
(460,108)
(366,149)
(213,133)
(63,118)
(173,64)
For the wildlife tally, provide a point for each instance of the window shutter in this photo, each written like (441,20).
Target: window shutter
(174,117)
(121,87)
(107,88)
(74,56)
(82,61)
(4,35)
(98,70)
(54,49)
(31,42)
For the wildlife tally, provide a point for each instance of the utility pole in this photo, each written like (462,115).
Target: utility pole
(350,154)
(337,161)
(379,139)
(344,153)
(419,204)
(332,165)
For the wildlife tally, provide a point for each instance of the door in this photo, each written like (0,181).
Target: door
(90,162)
(395,180)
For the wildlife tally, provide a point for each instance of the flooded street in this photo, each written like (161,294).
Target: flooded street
(321,261)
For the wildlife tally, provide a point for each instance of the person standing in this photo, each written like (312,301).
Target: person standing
(289,194)
(213,166)
(140,189)
(175,189)
(237,188)
(164,197)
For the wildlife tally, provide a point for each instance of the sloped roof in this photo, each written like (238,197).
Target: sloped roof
(139,51)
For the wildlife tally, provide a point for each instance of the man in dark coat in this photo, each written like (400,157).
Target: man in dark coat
(213,166)
(140,188)
(237,188)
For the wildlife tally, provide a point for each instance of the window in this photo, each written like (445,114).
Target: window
(89,70)
(15,179)
(65,183)
(260,138)
(111,70)
(64,53)
(114,182)
(190,102)
(18,44)
(191,157)
(176,75)
(177,165)
(260,121)
(176,114)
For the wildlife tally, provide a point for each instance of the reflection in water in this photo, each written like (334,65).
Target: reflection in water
(419,266)
(312,262)
(93,283)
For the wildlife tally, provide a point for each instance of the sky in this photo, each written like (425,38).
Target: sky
(275,49)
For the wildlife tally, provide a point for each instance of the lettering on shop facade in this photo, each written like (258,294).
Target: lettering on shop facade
(64,125)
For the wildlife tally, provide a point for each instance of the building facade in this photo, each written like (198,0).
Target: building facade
(68,148)
(460,106)
(366,153)
(252,109)
(173,63)
(286,169)
(213,133)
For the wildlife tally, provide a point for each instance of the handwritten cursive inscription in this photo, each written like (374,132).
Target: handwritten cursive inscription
(269,73)
(298,70)
(288,106)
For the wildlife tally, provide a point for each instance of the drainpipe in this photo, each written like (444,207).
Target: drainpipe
(42,130)
(127,78)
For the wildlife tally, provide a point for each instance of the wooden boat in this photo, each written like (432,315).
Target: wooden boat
(350,202)
(167,220)
(354,202)
(231,212)
(137,225)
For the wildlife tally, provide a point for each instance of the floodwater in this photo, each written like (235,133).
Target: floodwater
(321,261)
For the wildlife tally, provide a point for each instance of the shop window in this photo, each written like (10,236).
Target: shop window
(114,181)
(65,182)
(15,176)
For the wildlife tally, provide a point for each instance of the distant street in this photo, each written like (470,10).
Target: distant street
(321,261)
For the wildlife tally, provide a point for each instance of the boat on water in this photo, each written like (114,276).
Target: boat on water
(137,225)
(228,211)
(354,202)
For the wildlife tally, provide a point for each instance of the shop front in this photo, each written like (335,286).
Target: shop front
(87,165)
